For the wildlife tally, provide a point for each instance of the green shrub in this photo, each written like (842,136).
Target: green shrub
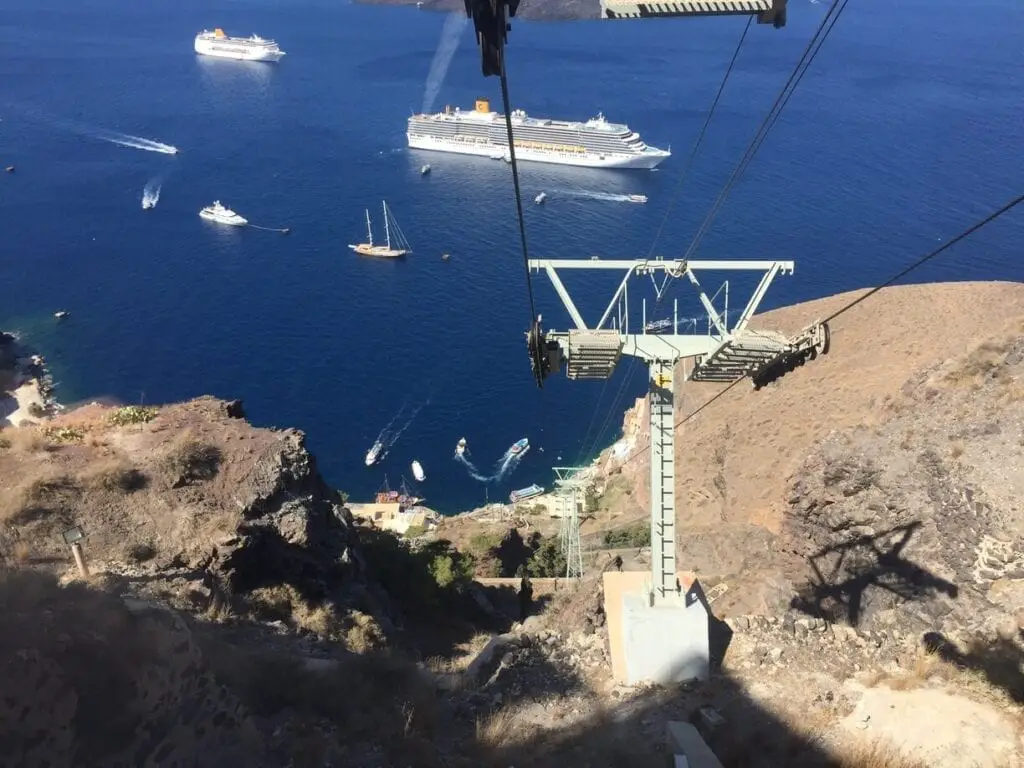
(132,414)
(414,531)
(636,535)
(64,434)
(422,579)
(548,559)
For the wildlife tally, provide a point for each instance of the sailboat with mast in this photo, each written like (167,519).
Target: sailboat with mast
(391,230)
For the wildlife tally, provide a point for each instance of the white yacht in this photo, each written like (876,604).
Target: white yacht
(374,453)
(222,215)
(460,448)
(417,472)
(253,48)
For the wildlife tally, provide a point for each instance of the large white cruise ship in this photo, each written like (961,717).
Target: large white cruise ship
(596,143)
(253,48)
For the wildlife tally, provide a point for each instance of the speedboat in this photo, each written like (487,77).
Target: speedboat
(519,446)
(60,315)
(417,471)
(147,203)
(460,448)
(425,170)
(374,453)
(222,215)
(638,198)
(539,199)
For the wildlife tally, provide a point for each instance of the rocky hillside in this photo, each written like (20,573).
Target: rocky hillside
(187,501)
(745,464)
(858,523)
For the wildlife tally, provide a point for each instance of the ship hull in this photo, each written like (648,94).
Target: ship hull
(236,221)
(644,161)
(378,251)
(210,48)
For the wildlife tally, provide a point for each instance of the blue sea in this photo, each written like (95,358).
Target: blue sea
(907,128)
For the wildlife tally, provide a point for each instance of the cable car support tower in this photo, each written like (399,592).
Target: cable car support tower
(664,630)
(667,620)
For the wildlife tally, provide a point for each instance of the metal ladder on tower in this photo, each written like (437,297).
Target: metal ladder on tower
(663,484)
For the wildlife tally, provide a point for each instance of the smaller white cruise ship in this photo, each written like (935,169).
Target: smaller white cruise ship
(253,48)
(222,215)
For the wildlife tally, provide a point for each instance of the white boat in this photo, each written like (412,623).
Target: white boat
(595,143)
(658,325)
(520,446)
(539,199)
(60,315)
(222,215)
(417,472)
(526,493)
(374,453)
(147,203)
(425,170)
(253,48)
(383,251)
(460,448)
(638,198)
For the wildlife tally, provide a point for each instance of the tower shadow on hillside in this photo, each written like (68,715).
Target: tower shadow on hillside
(858,566)
(1000,661)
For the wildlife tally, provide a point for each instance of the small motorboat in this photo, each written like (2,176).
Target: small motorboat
(638,198)
(460,448)
(222,215)
(425,170)
(60,315)
(9,169)
(445,257)
(417,472)
(374,453)
(147,203)
(539,199)
(519,446)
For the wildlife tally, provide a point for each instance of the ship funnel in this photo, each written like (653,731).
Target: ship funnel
(483,105)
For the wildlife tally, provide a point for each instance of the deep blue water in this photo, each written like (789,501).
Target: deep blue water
(906,129)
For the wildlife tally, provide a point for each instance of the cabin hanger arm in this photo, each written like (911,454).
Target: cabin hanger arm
(491,18)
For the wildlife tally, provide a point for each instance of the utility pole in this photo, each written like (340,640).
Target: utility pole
(666,623)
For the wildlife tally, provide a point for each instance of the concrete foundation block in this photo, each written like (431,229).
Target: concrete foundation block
(685,742)
(665,643)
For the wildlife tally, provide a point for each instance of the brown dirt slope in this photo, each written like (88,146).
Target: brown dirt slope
(736,460)
(89,680)
(190,502)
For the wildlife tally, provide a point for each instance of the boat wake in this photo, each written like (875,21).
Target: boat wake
(591,195)
(389,435)
(151,192)
(450,34)
(503,467)
(135,142)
